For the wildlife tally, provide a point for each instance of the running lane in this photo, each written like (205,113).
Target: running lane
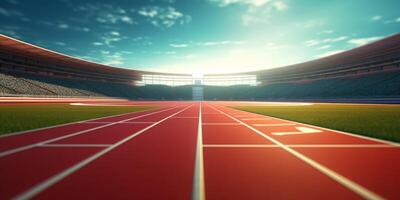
(14,141)
(24,169)
(165,154)
(304,161)
(155,163)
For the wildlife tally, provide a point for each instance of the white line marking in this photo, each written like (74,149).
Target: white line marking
(256,119)
(239,145)
(286,124)
(353,186)
(117,122)
(74,145)
(59,125)
(56,178)
(302,145)
(198,176)
(302,130)
(18,149)
(335,131)
(186,117)
(221,124)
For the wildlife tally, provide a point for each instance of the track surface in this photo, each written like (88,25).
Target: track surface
(193,150)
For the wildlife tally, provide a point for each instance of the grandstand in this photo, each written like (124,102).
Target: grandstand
(370,71)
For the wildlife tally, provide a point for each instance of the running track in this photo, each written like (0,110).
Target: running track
(192,150)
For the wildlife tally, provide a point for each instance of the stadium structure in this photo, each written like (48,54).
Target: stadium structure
(370,71)
(76,129)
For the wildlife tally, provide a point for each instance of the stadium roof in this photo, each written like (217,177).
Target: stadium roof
(371,51)
(23,48)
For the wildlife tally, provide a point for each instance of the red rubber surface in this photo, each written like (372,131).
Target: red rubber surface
(157,160)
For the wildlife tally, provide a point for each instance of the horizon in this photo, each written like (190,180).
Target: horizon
(171,36)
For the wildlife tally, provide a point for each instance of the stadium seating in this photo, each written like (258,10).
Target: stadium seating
(377,85)
(371,71)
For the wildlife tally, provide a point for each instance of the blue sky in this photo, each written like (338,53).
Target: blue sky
(199,36)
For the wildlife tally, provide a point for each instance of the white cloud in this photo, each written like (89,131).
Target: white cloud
(397,20)
(127,19)
(363,41)
(63,26)
(329,53)
(109,38)
(376,18)
(179,45)
(325,47)
(115,33)
(164,17)
(311,43)
(225,42)
(60,43)
(111,58)
(280,5)
(258,11)
(336,39)
(4,12)
(85,29)
(97,43)
(315,42)
(208,43)
(103,13)
(114,19)
(10,13)
(148,12)
(256,3)
(13,2)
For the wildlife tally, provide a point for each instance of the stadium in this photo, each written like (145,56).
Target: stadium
(79,128)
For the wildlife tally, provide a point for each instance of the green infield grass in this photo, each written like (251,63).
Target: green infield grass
(25,117)
(379,121)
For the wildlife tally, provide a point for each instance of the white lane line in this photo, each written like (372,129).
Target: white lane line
(187,117)
(59,125)
(216,124)
(342,146)
(302,130)
(28,194)
(335,131)
(18,149)
(75,145)
(198,175)
(300,146)
(117,122)
(283,124)
(238,145)
(353,186)
(256,119)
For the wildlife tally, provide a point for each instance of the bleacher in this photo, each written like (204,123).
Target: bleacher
(377,85)
(371,71)
(28,84)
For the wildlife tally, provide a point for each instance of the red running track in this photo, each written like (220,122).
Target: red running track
(192,150)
